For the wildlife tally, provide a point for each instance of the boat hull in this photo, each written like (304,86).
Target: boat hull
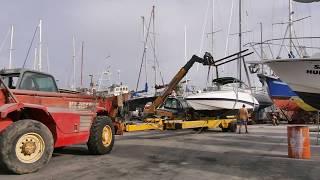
(303,77)
(218,100)
(276,87)
(282,95)
(287,104)
(264,99)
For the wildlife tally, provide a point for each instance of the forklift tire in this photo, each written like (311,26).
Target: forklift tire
(25,146)
(101,138)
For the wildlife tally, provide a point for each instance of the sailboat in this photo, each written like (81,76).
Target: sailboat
(140,97)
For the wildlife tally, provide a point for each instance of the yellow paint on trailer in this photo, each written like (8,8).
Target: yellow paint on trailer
(213,123)
(160,124)
(143,127)
(225,122)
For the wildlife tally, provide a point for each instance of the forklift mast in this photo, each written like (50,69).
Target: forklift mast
(207,60)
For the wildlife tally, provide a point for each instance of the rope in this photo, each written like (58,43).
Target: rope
(229,27)
(5,39)
(144,52)
(203,30)
(34,34)
(156,59)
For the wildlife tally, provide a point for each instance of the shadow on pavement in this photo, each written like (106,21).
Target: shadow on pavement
(233,163)
(71,151)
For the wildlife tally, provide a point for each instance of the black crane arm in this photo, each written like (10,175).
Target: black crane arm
(207,60)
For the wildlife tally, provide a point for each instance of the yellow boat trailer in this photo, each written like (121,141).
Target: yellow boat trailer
(228,124)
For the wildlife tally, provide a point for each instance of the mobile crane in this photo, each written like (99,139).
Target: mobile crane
(153,115)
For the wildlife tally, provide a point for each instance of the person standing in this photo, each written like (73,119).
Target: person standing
(243,116)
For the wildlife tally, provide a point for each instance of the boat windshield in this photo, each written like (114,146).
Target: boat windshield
(228,86)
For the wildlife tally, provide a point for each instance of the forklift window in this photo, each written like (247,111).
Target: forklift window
(172,104)
(28,83)
(11,81)
(168,103)
(38,82)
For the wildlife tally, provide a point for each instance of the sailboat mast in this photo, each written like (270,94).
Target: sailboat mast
(35,59)
(47,58)
(212,28)
(74,63)
(154,49)
(212,38)
(11,47)
(81,75)
(119,77)
(40,46)
(290,25)
(240,41)
(185,52)
(261,48)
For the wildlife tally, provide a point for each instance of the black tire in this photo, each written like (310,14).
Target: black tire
(225,129)
(12,136)
(95,142)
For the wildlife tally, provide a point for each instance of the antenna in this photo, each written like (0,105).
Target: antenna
(11,47)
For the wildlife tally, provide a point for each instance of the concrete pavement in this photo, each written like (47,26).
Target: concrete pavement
(185,154)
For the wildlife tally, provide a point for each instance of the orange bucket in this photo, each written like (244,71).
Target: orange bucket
(298,142)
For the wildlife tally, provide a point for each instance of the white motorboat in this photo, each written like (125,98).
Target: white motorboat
(225,94)
(302,75)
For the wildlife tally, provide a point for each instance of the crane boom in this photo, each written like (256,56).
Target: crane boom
(206,60)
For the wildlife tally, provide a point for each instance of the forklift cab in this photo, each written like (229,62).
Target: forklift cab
(177,107)
(28,80)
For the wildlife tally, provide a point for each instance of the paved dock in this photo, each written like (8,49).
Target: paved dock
(176,155)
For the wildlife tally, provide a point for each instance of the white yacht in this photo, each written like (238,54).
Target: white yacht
(227,93)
